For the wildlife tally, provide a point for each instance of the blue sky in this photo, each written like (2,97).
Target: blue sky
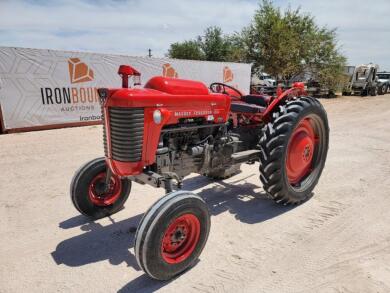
(131,27)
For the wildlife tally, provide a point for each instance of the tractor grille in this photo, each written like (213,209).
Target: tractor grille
(104,133)
(126,133)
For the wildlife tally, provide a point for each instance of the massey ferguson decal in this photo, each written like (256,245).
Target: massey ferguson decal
(195,113)
(191,113)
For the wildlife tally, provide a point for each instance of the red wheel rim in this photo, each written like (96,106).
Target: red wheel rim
(180,238)
(96,192)
(300,151)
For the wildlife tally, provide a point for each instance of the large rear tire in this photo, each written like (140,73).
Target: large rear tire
(88,193)
(294,147)
(172,235)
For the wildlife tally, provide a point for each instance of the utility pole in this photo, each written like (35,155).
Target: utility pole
(150,53)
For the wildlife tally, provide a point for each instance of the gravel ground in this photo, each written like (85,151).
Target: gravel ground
(339,241)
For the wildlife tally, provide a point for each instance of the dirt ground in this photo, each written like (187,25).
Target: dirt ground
(339,241)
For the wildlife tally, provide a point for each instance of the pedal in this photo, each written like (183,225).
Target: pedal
(245,156)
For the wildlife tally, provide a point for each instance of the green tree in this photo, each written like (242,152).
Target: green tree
(288,44)
(238,48)
(214,44)
(186,50)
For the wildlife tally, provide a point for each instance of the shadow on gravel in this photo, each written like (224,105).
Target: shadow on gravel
(99,243)
(113,242)
(239,198)
(145,284)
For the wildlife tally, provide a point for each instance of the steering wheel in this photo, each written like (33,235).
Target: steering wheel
(219,87)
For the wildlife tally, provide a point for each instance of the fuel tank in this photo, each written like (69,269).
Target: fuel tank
(175,86)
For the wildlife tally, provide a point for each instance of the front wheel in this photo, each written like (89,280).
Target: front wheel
(294,147)
(172,234)
(90,195)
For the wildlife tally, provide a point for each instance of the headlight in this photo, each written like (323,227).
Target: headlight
(157,116)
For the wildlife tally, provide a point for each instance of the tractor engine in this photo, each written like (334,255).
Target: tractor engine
(206,150)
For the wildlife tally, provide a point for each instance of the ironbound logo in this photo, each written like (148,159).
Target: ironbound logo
(73,98)
(227,74)
(79,71)
(169,71)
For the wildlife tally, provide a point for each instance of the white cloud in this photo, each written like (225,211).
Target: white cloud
(116,26)
(131,27)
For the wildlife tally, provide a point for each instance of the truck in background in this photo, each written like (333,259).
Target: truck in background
(363,81)
(263,79)
(263,83)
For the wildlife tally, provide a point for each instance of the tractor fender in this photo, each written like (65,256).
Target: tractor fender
(298,89)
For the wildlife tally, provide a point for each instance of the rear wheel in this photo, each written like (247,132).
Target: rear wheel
(89,193)
(294,147)
(382,89)
(172,234)
(374,91)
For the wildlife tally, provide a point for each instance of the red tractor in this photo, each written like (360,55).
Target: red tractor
(161,133)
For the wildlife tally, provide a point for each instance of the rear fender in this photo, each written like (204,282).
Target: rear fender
(298,89)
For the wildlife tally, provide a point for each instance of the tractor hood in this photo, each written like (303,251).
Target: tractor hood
(165,92)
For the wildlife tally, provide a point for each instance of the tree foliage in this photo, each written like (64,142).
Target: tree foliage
(186,50)
(286,44)
(290,44)
(213,45)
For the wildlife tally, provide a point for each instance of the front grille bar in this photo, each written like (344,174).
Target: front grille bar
(126,133)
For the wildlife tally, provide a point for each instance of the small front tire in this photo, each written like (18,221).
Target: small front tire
(88,193)
(172,235)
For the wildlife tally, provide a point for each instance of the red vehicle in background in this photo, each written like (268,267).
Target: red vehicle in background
(160,133)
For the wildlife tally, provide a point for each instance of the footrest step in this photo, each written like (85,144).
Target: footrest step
(245,156)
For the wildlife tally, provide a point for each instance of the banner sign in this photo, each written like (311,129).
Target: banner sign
(54,88)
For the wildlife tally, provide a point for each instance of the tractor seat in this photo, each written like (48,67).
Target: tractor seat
(258,100)
(240,107)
